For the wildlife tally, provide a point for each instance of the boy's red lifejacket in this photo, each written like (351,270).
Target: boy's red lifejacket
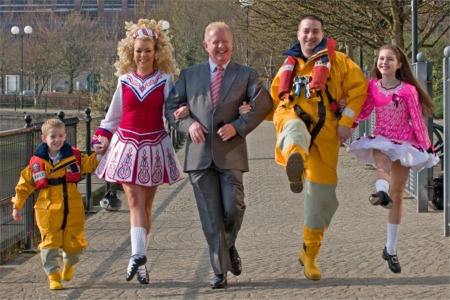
(73,173)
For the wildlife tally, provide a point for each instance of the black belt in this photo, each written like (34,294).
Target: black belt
(58,181)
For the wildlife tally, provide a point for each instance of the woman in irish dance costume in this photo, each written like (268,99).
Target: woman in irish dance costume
(137,151)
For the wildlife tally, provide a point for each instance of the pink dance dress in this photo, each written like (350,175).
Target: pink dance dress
(400,130)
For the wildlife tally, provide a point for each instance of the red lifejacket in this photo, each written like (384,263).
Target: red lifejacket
(321,69)
(73,168)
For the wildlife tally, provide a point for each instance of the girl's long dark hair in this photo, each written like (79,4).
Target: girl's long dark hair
(405,73)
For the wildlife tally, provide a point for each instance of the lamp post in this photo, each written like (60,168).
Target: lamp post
(16,32)
(246,4)
(414,31)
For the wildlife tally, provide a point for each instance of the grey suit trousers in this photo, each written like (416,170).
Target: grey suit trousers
(220,201)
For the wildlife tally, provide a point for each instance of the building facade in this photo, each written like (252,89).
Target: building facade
(99,8)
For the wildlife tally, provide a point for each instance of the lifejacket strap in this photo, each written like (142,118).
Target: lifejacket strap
(66,205)
(57,181)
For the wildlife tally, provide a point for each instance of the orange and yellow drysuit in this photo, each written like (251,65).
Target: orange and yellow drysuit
(344,80)
(60,225)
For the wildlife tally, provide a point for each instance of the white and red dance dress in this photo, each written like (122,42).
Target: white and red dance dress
(140,150)
(400,130)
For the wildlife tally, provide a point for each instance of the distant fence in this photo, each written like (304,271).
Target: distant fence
(46,101)
(16,148)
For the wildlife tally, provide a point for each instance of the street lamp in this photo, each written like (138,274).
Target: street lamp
(16,32)
(165,26)
(246,4)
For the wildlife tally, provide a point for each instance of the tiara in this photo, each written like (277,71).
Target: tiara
(146,32)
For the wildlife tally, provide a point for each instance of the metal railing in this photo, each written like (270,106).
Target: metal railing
(46,101)
(16,148)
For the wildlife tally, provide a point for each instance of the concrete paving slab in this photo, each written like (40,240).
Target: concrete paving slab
(269,244)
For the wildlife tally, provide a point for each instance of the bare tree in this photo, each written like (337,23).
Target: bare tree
(5,50)
(78,41)
(43,55)
(188,20)
(366,23)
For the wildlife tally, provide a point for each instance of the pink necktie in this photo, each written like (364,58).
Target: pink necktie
(215,85)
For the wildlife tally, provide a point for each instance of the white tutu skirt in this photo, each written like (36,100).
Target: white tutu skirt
(142,159)
(408,155)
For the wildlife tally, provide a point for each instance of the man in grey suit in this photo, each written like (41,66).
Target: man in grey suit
(216,150)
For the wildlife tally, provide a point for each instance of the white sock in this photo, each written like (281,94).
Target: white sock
(382,185)
(138,240)
(392,236)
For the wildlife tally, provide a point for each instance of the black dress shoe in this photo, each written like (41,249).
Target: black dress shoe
(394,264)
(235,262)
(135,262)
(381,198)
(218,281)
(142,275)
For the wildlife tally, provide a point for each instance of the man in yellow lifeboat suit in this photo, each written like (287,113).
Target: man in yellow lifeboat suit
(307,84)
(54,170)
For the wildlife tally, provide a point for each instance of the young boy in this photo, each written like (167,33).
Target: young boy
(54,169)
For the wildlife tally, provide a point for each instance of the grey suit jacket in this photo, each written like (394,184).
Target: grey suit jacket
(240,83)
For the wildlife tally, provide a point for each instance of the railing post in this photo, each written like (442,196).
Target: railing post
(28,121)
(29,220)
(423,72)
(446,163)
(88,202)
(61,115)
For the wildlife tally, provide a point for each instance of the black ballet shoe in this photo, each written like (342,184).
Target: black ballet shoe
(394,264)
(142,275)
(135,262)
(381,198)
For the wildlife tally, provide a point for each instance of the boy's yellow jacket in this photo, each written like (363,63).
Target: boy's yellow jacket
(49,207)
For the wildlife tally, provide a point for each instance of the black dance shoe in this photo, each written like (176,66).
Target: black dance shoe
(381,198)
(142,275)
(235,262)
(218,281)
(135,262)
(394,264)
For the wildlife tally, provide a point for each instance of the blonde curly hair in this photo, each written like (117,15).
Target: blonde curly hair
(164,59)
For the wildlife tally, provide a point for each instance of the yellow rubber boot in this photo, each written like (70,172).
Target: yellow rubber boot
(54,281)
(67,273)
(312,240)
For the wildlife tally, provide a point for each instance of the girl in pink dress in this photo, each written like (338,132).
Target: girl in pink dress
(400,140)
(139,153)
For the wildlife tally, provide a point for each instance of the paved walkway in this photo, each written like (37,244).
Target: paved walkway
(269,243)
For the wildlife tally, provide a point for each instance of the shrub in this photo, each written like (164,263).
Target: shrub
(439,103)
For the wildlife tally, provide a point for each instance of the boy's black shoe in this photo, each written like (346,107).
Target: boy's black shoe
(381,198)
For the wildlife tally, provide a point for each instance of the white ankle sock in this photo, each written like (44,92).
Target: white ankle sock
(392,236)
(382,185)
(138,240)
